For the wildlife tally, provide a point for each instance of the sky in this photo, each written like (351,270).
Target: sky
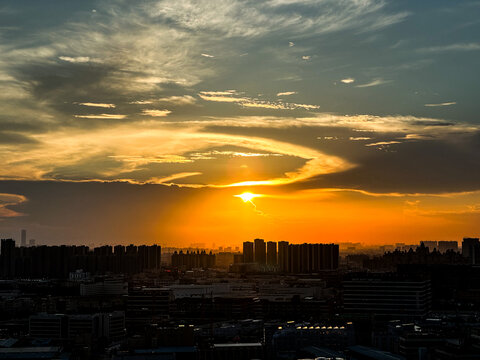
(139,122)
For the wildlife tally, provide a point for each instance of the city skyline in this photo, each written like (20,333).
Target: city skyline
(176,122)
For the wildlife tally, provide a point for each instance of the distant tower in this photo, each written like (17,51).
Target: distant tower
(271,253)
(260,251)
(471,249)
(23,241)
(283,255)
(248,252)
(7,258)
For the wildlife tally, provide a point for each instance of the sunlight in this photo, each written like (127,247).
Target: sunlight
(247,196)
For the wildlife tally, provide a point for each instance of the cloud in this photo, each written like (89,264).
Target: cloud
(234,19)
(287,93)
(381,143)
(359,138)
(156,113)
(210,155)
(291,44)
(232,96)
(179,100)
(303,106)
(452,47)
(97,105)
(306,57)
(102,116)
(207,55)
(348,80)
(168,179)
(430,128)
(374,82)
(442,104)
(77,59)
(141,102)
(7,200)
(125,151)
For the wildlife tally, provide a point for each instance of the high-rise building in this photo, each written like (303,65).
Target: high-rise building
(283,256)
(248,252)
(294,258)
(272,253)
(471,249)
(7,257)
(191,260)
(444,246)
(260,251)
(23,241)
(307,258)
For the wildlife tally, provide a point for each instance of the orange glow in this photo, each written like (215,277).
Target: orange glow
(332,215)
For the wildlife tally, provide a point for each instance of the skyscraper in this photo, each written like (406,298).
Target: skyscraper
(272,253)
(260,251)
(471,249)
(7,253)
(23,241)
(248,252)
(283,255)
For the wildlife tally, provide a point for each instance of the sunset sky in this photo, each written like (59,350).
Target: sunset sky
(139,121)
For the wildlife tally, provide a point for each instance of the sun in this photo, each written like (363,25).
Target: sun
(247,196)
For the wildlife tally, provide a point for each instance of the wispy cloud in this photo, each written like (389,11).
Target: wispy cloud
(232,96)
(7,200)
(156,113)
(348,80)
(96,105)
(168,179)
(179,100)
(442,104)
(76,59)
(141,102)
(234,19)
(286,93)
(207,55)
(102,116)
(210,155)
(452,47)
(306,57)
(374,82)
(383,143)
(359,138)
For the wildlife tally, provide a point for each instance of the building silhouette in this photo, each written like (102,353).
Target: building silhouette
(23,238)
(190,260)
(283,256)
(7,257)
(272,253)
(59,261)
(293,258)
(444,246)
(471,249)
(260,251)
(248,252)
